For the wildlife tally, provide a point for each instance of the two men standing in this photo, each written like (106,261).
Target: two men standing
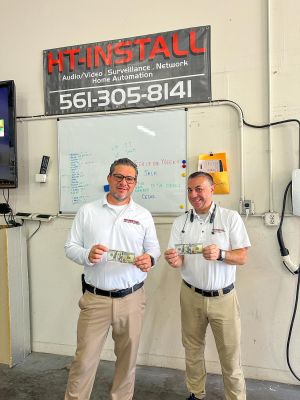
(115,296)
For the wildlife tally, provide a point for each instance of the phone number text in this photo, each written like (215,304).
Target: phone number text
(126,96)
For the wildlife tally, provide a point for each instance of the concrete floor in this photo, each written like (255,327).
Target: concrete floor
(44,376)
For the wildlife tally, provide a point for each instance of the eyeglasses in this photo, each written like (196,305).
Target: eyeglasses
(129,179)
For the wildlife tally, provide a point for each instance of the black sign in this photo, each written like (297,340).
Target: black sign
(138,72)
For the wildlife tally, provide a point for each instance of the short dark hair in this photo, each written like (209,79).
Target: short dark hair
(204,174)
(123,161)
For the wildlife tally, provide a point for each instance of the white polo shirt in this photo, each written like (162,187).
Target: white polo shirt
(227,231)
(130,230)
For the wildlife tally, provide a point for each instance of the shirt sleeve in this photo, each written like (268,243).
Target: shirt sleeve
(74,248)
(175,235)
(238,235)
(151,244)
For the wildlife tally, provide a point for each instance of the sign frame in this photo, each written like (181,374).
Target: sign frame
(138,72)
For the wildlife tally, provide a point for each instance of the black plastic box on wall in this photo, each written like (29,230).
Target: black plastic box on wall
(8,136)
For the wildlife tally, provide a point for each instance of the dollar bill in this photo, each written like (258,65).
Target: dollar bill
(120,256)
(189,248)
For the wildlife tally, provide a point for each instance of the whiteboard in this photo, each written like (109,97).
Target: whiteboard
(154,140)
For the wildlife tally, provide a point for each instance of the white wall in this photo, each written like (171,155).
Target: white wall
(240,72)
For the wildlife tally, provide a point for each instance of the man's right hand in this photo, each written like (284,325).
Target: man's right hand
(96,253)
(173,258)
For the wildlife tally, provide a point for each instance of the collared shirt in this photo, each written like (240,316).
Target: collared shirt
(227,231)
(131,230)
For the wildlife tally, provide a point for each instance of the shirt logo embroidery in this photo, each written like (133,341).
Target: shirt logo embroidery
(131,221)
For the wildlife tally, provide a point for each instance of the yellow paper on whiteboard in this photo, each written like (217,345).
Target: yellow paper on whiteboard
(216,166)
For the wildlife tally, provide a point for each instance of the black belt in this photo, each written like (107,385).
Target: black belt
(113,293)
(211,293)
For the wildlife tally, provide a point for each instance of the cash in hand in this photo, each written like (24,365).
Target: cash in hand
(189,248)
(120,256)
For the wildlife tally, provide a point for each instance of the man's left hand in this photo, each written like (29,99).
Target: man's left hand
(143,262)
(211,252)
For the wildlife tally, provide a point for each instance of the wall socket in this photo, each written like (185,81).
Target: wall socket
(246,205)
(34,217)
(272,219)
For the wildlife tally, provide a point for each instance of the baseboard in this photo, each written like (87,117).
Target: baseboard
(154,360)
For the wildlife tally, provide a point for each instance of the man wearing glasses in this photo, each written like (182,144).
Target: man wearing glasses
(115,240)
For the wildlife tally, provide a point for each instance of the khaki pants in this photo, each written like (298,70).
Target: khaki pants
(223,315)
(98,313)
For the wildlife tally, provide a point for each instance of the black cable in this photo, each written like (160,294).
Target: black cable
(34,231)
(7,211)
(291,330)
(284,121)
(183,228)
(5,208)
(210,102)
(284,252)
(12,221)
(6,199)
(4,215)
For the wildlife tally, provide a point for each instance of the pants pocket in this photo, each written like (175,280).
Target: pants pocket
(82,302)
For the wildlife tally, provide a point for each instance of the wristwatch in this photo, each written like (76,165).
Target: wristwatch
(222,255)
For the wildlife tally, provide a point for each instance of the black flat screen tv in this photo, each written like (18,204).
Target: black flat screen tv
(8,137)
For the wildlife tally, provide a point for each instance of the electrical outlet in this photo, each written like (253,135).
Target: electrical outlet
(23,215)
(42,217)
(246,205)
(34,217)
(271,219)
